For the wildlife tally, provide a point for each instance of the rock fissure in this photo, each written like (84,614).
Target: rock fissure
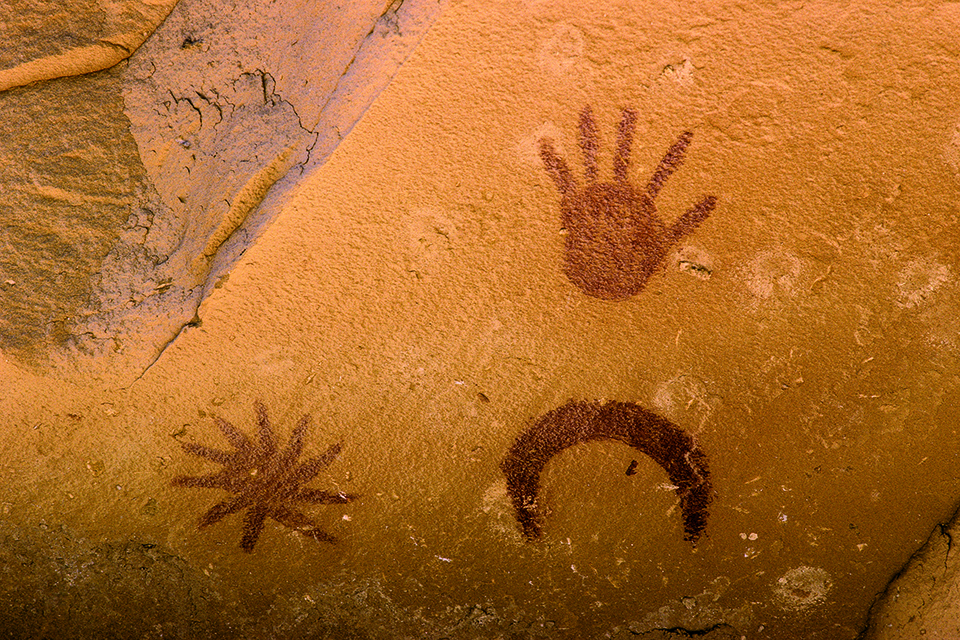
(195,322)
(914,579)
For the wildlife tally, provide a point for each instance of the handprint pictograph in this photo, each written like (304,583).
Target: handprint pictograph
(615,239)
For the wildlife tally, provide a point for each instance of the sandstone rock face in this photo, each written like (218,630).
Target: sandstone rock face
(591,320)
(71,175)
(923,601)
(160,181)
(47,39)
(72,187)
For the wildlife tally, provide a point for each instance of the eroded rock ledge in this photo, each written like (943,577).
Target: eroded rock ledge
(229,107)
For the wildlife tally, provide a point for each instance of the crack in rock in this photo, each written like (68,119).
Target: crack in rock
(229,110)
(921,598)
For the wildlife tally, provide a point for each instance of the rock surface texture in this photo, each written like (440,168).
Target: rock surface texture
(161,176)
(480,320)
(47,39)
(923,601)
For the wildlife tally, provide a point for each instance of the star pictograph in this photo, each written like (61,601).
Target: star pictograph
(264,480)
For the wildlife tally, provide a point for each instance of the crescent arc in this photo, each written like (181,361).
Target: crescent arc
(584,421)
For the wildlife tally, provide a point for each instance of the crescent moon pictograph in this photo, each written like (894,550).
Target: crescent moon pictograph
(584,421)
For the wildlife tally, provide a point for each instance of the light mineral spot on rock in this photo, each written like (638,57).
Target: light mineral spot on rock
(802,587)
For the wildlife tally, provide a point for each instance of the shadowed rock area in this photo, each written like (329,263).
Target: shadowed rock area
(52,39)
(73,186)
(229,107)
(54,584)
(923,600)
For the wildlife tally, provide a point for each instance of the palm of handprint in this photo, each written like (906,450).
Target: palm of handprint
(615,239)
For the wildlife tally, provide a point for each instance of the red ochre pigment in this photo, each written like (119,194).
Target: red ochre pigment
(626,422)
(615,239)
(264,480)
